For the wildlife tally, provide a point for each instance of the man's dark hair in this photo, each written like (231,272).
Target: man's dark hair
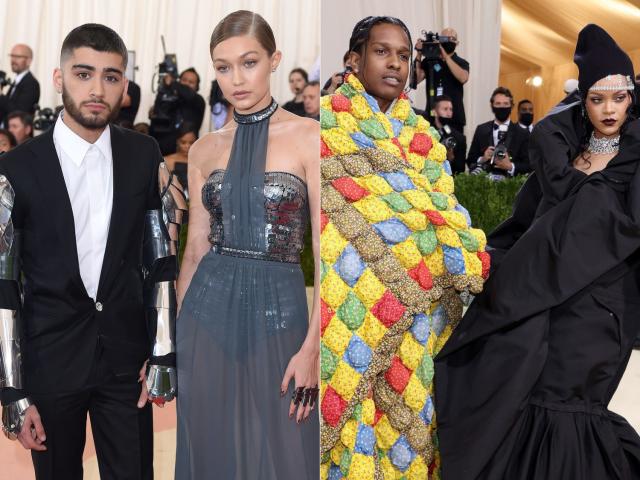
(441,98)
(502,91)
(193,70)
(302,72)
(93,35)
(522,102)
(24,117)
(361,31)
(312,83)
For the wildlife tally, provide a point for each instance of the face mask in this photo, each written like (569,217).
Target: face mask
(449,47)
(526,119)
(445,120)
(501,113)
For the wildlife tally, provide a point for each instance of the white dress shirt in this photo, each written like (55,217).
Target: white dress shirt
(88,175)
(530,127)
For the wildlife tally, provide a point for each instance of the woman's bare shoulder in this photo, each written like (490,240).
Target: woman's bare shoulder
(206,150)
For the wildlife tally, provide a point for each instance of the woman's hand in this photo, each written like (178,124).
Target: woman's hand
(303,368)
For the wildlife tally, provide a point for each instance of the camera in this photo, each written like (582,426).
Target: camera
(431,45)
(4,80)
(501,149)
(166,104)
(448,140)
(45,118)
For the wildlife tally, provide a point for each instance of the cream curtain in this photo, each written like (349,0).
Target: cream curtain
(477,23)
(185,24)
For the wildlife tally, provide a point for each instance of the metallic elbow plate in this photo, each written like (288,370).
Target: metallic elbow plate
(163,300)
(10,355)
(157,243)
(174,204)
(13,417)
(9,238)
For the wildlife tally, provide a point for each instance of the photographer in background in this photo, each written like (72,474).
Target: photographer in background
(451,138)
(24,92)
(177,102)
(450,73)
(499,147)
(221,109)
(337,79)
(298,79)
(311,100)
(525,115)
(130,104)
(20,124)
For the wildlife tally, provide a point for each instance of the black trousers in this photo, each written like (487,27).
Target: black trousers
(122,432)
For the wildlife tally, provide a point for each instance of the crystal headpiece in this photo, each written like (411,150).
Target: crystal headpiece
(623,82)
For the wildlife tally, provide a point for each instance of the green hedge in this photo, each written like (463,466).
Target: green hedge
(489,203)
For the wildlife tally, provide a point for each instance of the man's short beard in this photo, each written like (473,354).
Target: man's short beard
(91,122)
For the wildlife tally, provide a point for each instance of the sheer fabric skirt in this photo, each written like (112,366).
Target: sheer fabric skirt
(241,322)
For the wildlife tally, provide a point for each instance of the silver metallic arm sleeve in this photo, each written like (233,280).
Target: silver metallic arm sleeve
(161,247)
(10,320)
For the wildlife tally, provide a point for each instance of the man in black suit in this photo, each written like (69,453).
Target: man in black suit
(186,106)
(454,140)
(491,139)
(84,205)
(450,73)
(525,115)
(24,91)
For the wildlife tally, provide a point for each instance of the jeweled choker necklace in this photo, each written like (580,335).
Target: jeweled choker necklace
(603,145)
(256,116)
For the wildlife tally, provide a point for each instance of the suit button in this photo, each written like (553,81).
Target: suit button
(99,306)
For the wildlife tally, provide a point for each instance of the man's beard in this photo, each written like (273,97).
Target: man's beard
(91,122)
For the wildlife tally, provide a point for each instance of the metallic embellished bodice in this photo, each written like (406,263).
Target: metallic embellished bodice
(285,222)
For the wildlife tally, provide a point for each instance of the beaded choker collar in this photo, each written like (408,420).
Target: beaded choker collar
(603,145)
(256,116)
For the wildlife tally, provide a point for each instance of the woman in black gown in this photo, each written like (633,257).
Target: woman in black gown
(522,386)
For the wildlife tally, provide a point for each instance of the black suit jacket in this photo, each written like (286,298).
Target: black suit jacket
(458,162)
(517,142)
(24,99)
(65,329)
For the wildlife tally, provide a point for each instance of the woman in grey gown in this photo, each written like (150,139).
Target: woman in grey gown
(243,331)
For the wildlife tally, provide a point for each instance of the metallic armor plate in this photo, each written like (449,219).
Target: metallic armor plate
(162,383)
(13,417)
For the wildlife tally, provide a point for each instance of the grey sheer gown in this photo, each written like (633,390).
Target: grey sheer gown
(243,317)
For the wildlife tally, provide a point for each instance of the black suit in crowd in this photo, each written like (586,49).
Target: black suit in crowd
(517,142)
(81,355)
(459,152)
(188,108)
(22,97)
(128,114)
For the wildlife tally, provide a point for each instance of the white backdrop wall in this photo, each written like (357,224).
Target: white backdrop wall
(476,21)
(185,24)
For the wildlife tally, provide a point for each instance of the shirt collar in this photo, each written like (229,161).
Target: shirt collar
(74,146)
(507,123)
(20,76)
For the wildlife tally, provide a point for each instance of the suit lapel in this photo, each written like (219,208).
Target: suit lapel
(120,178)
(50,179)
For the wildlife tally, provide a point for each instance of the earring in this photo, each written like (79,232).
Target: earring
(273,69)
